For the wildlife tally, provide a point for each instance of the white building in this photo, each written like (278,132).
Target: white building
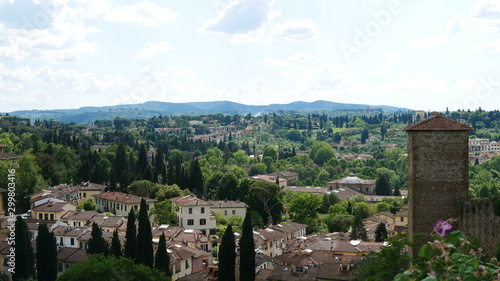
(120,203)
(228,208)
(194,213)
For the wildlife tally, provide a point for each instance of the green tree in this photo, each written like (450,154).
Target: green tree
(381,233)
(382,185)
(358,230)
(102,268)
(323,155)
(46,254)
(227,187)
(144,237)
(265,198)
(387,263)
(25,258)
(303,208)
(163,213)
(116,246)
(142,160)
(143,188)
(162,259)
(270,151)
(88,205)
(247,251)
(227,256)
(131,237)
(338,223)
(97,243)
(170,191)
(196,178)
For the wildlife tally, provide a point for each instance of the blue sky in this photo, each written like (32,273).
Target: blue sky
(417,54)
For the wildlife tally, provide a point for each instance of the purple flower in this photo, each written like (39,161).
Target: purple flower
(441,226)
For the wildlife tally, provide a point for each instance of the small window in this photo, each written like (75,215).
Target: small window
(212,231)
(202,210)
(187,264)
(402,219)
(84,194)
(51,217)
(190,211)
(72,241)
(40,216)
(225,212)
(299,269)
(234,212)
(190,222)
(203,221)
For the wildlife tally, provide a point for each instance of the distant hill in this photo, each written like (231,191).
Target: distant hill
(89,114)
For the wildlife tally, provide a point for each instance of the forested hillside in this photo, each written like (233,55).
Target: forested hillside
(212,156)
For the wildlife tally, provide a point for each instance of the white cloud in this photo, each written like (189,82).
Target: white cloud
(456,24)
(298,30)
(488,46)
(150,49)
(431,42)
(60,36)
(241,17)
(145,12)
(275,62)
(300,57)
(388,59)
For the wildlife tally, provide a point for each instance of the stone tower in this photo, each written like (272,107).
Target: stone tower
(437,171)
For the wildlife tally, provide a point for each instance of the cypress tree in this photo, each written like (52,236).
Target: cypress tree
(247,251)
(116,246)
(46,254)
(196,178)
(227,256)
(162,259)
(131,237)
(97,243)
(25,258)
(144,237)
(380,233)
(142,161)
(382,185)
(358,229)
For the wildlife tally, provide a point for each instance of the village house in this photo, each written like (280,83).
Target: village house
(120,203)
(78,217)
(66,257)
(228,208)
(50,209)
(67,236)
(194,213)
(282,181)
(87,189)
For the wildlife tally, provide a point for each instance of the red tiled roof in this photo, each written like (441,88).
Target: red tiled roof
(438,123)
(122,197)
(189,200)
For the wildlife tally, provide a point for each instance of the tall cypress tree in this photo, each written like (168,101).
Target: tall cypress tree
(162,259)
(247,251)
(46,254)
(131,237)
(142,161)
(144,237)
(380,232)
(25,258)
(97,243)
(116,245)
(196,178)
(382,185)
(227,256)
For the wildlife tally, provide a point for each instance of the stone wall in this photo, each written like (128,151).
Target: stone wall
(478,219)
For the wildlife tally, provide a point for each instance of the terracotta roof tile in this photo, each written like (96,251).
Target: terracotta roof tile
(438,123)
(122,197)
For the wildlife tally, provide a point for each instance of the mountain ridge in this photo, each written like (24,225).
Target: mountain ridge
(88,114)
